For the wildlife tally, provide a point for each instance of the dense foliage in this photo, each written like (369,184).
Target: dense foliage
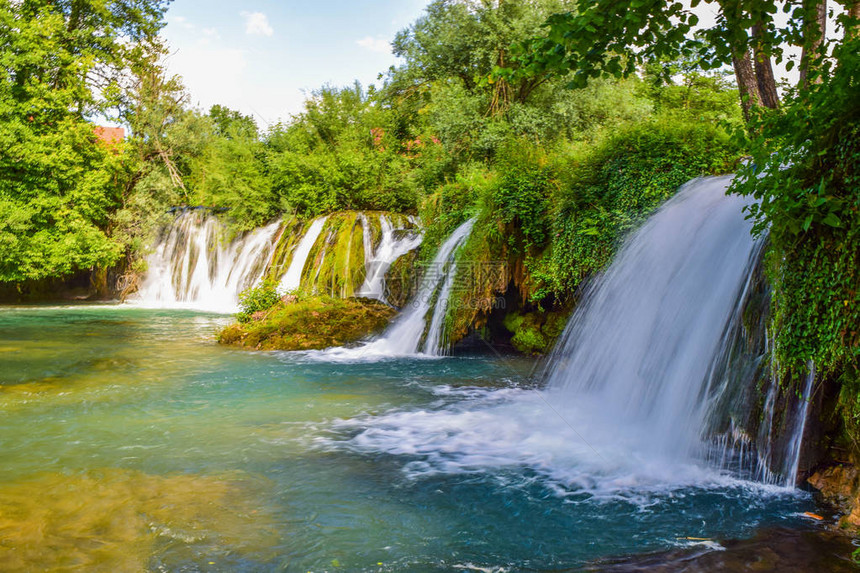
(444,125)
(804,145)
(612,186)
(59,63)
(554,219)
(805,176)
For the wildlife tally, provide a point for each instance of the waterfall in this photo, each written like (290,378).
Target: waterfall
(391,247)
(196,264)
(293,277)
(641,343)
(802,410)
(632,393)
(192,266)
(433,343)
(406,335)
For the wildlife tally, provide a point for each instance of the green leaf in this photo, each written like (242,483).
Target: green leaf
(832,220)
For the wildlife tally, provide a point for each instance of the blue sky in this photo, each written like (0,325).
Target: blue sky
(262,57)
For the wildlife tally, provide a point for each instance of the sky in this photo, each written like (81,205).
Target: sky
(262,57)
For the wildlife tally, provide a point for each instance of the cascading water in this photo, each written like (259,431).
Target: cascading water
(377,262)
(438,280)
(641,345)
(193,267)
(756,420)
(406,336)
(629,386)
(800,423)
(293,277)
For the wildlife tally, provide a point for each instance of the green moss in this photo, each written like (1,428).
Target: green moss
(375,229)
(535,332)
(401,279)
(310,322)
(292,232)
(336,262)
(530,341)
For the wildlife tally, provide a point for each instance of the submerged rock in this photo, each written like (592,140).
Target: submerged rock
(310,323)
(112,519)
(775,549)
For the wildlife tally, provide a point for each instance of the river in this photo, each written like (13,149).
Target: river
(132,441)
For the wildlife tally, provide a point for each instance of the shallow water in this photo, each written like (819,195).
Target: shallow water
(130,440)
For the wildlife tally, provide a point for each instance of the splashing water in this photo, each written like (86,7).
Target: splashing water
(377,262)
(406,336)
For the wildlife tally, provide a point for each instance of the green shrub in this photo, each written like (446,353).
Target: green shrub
(608,188)
(256,299)
(521,198)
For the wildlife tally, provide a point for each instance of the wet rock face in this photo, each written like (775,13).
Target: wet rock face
(777,549)
(839,486)
(402,279)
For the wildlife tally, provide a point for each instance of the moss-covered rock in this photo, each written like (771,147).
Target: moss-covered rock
(401,279)
(310,322)
(335,264)
(292,231)
(535,332)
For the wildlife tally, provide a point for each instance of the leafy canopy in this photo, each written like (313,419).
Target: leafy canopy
(59,62)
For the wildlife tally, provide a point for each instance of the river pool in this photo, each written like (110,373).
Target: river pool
(131,441)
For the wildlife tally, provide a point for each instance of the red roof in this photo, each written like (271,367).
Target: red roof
(110,135)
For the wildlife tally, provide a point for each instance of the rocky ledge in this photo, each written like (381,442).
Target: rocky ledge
(309,323)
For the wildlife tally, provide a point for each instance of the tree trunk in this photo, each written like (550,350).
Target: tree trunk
(814,28)
(747,83)
(853,29)
(764,71)
(501,91)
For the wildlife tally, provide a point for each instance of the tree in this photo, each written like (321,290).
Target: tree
(467,39)
(61,61)
(805,178)
(232,124)
(610,37)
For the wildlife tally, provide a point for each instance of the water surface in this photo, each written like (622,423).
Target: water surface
(130,440)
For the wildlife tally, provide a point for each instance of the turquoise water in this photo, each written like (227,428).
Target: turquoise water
(130,440)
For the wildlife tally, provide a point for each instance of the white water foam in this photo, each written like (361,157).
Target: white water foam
(406,335)
(377,262)
(518,430)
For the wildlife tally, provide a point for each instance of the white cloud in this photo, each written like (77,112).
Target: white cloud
(180,21)
(212,75)
(375,44)
(257,24)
